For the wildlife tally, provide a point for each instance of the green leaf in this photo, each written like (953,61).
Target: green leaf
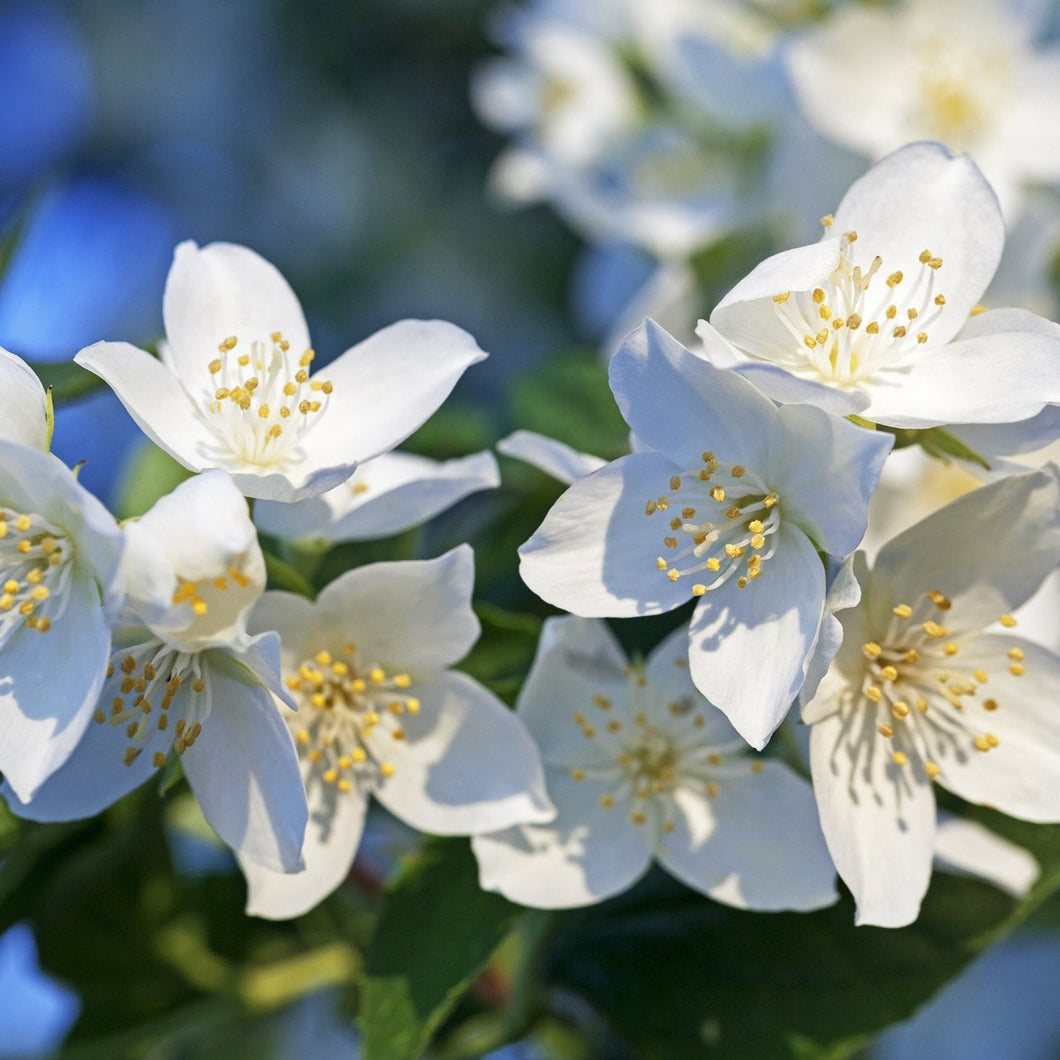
(568,399)
(679,975)
(436,932)
(942,445)
(503,653)
(283,576)
(149,476)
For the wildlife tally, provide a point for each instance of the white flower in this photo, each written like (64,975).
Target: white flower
(923,692)
(60,591)
(380,714)
(25,404)
(965,72)
(188,677)
(729,501)
(876,320)
(234,389)
(386,495)
(546,454)
(641,766)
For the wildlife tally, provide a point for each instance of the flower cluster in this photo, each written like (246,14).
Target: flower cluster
(745,496)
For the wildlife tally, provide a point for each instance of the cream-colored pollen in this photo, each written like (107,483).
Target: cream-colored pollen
(346,705)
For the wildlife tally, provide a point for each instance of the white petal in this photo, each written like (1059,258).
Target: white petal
(1018,777)
(586,854)
(577,660)
(968,849)
(680,404)
(844,592)
(292,616)
(747,315)
(95,775)
(466,764)
(756,844)
(750,648)
(595,553)
(336,820)
(49,688)
(988,551)
(386,495)
(155,398)
(995,378)
(922,197)
(414,614)
(244,768)
(221,290)
(878,819)
(25,420)
(825,475)
(554,458)
(386,386)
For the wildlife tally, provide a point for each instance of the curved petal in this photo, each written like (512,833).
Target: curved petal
(414,614)
(750,648)
(465,765)
(588,853)
(223,290)
(48,689)
(997,378)
(25,419)
(922,197)
(747,315)
(878,819)
(755,844)
(1018,776)
(966,848)
(546,454)
(680,404)
(386,386)
(155,398)
(336,820)
(386,495)
(781,386)
(244,768)
(825,474)
(595,553)
(293,618)
(95,774)
(988,551)
(578,666)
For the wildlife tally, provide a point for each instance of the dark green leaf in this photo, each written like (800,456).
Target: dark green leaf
(150,475)
(503,654)
(436,932)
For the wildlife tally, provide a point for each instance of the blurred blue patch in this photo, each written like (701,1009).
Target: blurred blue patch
(35,1012)
(46,91)
(1003,1005)
(92,265)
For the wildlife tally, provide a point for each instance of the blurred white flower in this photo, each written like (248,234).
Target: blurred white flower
(186,676)
(25,404)
(234,389)
(965,72)
(60,591)
(380,713)
(922,691)
(642,767)
(876,320)
(728,501)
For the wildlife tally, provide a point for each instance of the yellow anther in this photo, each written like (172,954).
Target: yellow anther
(809,341)
(344,785)
(1017,669)
(670,542)
(714,564)
(891,312)
(733,512)
(895,278)
(698,589)
(872,328)
(675,523)
(718,493)
(899,332)
(649,508)
(871,650)
(989,704)
(949,648)
(713,789)
(1015,654)
(851,236)
(673,574)
(130,755)
(602,701)
(885,731)
(607,801)
(359,755)
(741,582)
(900,710)
(818,295)
(935,263)
(1007,621)
(981,743)
(329,776)
(873,693)
(921,704)
(687,513)
(675,482)
(934,630)
(661,563)
(911,655)
(899,759)
(377,675)
(738,471)
(637,817)
(198,685)
(780,299)
(769,500)
(932,770)
(889,673)
(921,337)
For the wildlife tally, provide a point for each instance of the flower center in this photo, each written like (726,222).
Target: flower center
(343,703)
(717,531)
(916,678)
(151,675)
(860,322)
(35,565)
(650,760)
(261,402)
